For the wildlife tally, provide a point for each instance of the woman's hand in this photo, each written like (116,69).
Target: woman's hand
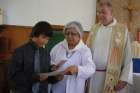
(71,70)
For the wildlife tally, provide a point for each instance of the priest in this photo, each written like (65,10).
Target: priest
(110,45)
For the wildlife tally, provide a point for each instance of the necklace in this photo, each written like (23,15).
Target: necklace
(69,54)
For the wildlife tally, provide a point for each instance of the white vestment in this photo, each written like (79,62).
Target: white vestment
(80,56)
(100,51)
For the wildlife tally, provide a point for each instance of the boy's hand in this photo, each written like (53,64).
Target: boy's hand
(43,77)
(54,67)
(59,77)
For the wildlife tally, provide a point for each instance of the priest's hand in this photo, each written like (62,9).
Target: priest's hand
(71,70)
(121,84)
(43,77)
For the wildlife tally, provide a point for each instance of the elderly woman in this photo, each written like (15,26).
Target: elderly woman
(76,58)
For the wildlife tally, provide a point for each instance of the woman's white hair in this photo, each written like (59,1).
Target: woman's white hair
(76,25)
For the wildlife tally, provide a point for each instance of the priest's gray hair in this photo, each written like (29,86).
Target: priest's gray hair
(105,2)
(76,25)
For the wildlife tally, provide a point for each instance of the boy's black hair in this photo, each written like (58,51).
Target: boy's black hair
(42,28)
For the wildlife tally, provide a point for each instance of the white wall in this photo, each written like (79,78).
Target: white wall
(28,12)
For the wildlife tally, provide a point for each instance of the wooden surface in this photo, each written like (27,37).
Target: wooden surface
(3,78)
(18,35)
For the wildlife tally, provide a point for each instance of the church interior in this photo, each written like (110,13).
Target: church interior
(17,18)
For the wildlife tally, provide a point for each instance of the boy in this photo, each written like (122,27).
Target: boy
(31,59)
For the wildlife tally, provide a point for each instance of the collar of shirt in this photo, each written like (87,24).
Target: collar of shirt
(111,24)
(34,45)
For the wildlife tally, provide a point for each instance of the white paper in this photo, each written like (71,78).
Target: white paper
(54,73)
(62,66)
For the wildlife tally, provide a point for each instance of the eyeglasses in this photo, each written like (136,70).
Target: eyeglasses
(70,33)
